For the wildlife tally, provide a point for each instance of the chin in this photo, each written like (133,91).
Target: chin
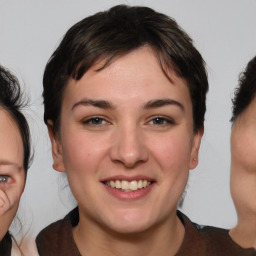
(128,228)
(129,223)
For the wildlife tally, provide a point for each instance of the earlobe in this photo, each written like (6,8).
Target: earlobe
(195,148)
(56,149)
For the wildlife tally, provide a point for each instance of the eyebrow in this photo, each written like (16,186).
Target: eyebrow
(163,102)
(107,105)
(95,103)
(5,162)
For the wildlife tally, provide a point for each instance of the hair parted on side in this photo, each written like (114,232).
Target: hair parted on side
(12,100)
(245,92)
(113,33)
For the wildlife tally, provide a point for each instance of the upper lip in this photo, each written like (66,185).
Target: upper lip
(128,178)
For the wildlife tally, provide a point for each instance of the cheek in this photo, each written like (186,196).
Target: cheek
(10,197)
(17,189)
(243,150)
(243,170)
(173,151)
(83,152)
(172,154)
(243,190)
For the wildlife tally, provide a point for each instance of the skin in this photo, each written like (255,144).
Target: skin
(243,176)
(131,137)
(11,166)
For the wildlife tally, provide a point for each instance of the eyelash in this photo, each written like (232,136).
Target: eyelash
(163,121)
(95,121)
(4,178)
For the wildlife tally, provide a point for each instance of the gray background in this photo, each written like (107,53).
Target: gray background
(224,33)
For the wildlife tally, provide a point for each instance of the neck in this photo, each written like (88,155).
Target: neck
(5,223)
(244,233)
(163,239)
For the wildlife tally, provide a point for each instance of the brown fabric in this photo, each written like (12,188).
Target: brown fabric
(6,245)
(210,241)
(220,243)
(57,240)
(193,241)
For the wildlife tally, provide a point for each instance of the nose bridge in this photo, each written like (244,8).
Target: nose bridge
(129,147)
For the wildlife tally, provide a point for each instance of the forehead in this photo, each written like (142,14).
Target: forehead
(11,145)
(135,74)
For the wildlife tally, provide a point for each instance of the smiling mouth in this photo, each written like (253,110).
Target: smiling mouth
(128,186)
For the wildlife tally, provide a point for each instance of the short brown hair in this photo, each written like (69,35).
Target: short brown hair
(109,34)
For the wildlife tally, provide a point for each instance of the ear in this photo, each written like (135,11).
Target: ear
(195,148)
(56,149)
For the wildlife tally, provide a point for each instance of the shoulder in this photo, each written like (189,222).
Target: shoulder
(57,238)
(219,241)
(194,239)
(210,241)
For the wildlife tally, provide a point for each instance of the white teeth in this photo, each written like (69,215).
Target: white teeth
(127,185)
(112,184)
(118,184)
(133,185)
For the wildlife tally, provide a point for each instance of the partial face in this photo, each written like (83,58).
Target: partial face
(127,143)
(243,161)
(12,175)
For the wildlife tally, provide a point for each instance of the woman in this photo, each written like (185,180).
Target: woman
(124,97)
(243,161)
(14,154)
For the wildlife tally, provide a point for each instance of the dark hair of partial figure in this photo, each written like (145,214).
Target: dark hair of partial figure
(245,91)
(11,99)
(113,33)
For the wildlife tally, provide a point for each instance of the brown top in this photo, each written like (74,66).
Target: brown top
(57,239)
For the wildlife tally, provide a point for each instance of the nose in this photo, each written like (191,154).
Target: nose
(128,147)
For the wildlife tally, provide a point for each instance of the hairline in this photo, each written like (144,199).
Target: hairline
(108,58)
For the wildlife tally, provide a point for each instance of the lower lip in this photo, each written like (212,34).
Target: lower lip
(134,195)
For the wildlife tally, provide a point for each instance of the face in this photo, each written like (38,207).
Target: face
(12,175)
(126,142)
(243,161)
